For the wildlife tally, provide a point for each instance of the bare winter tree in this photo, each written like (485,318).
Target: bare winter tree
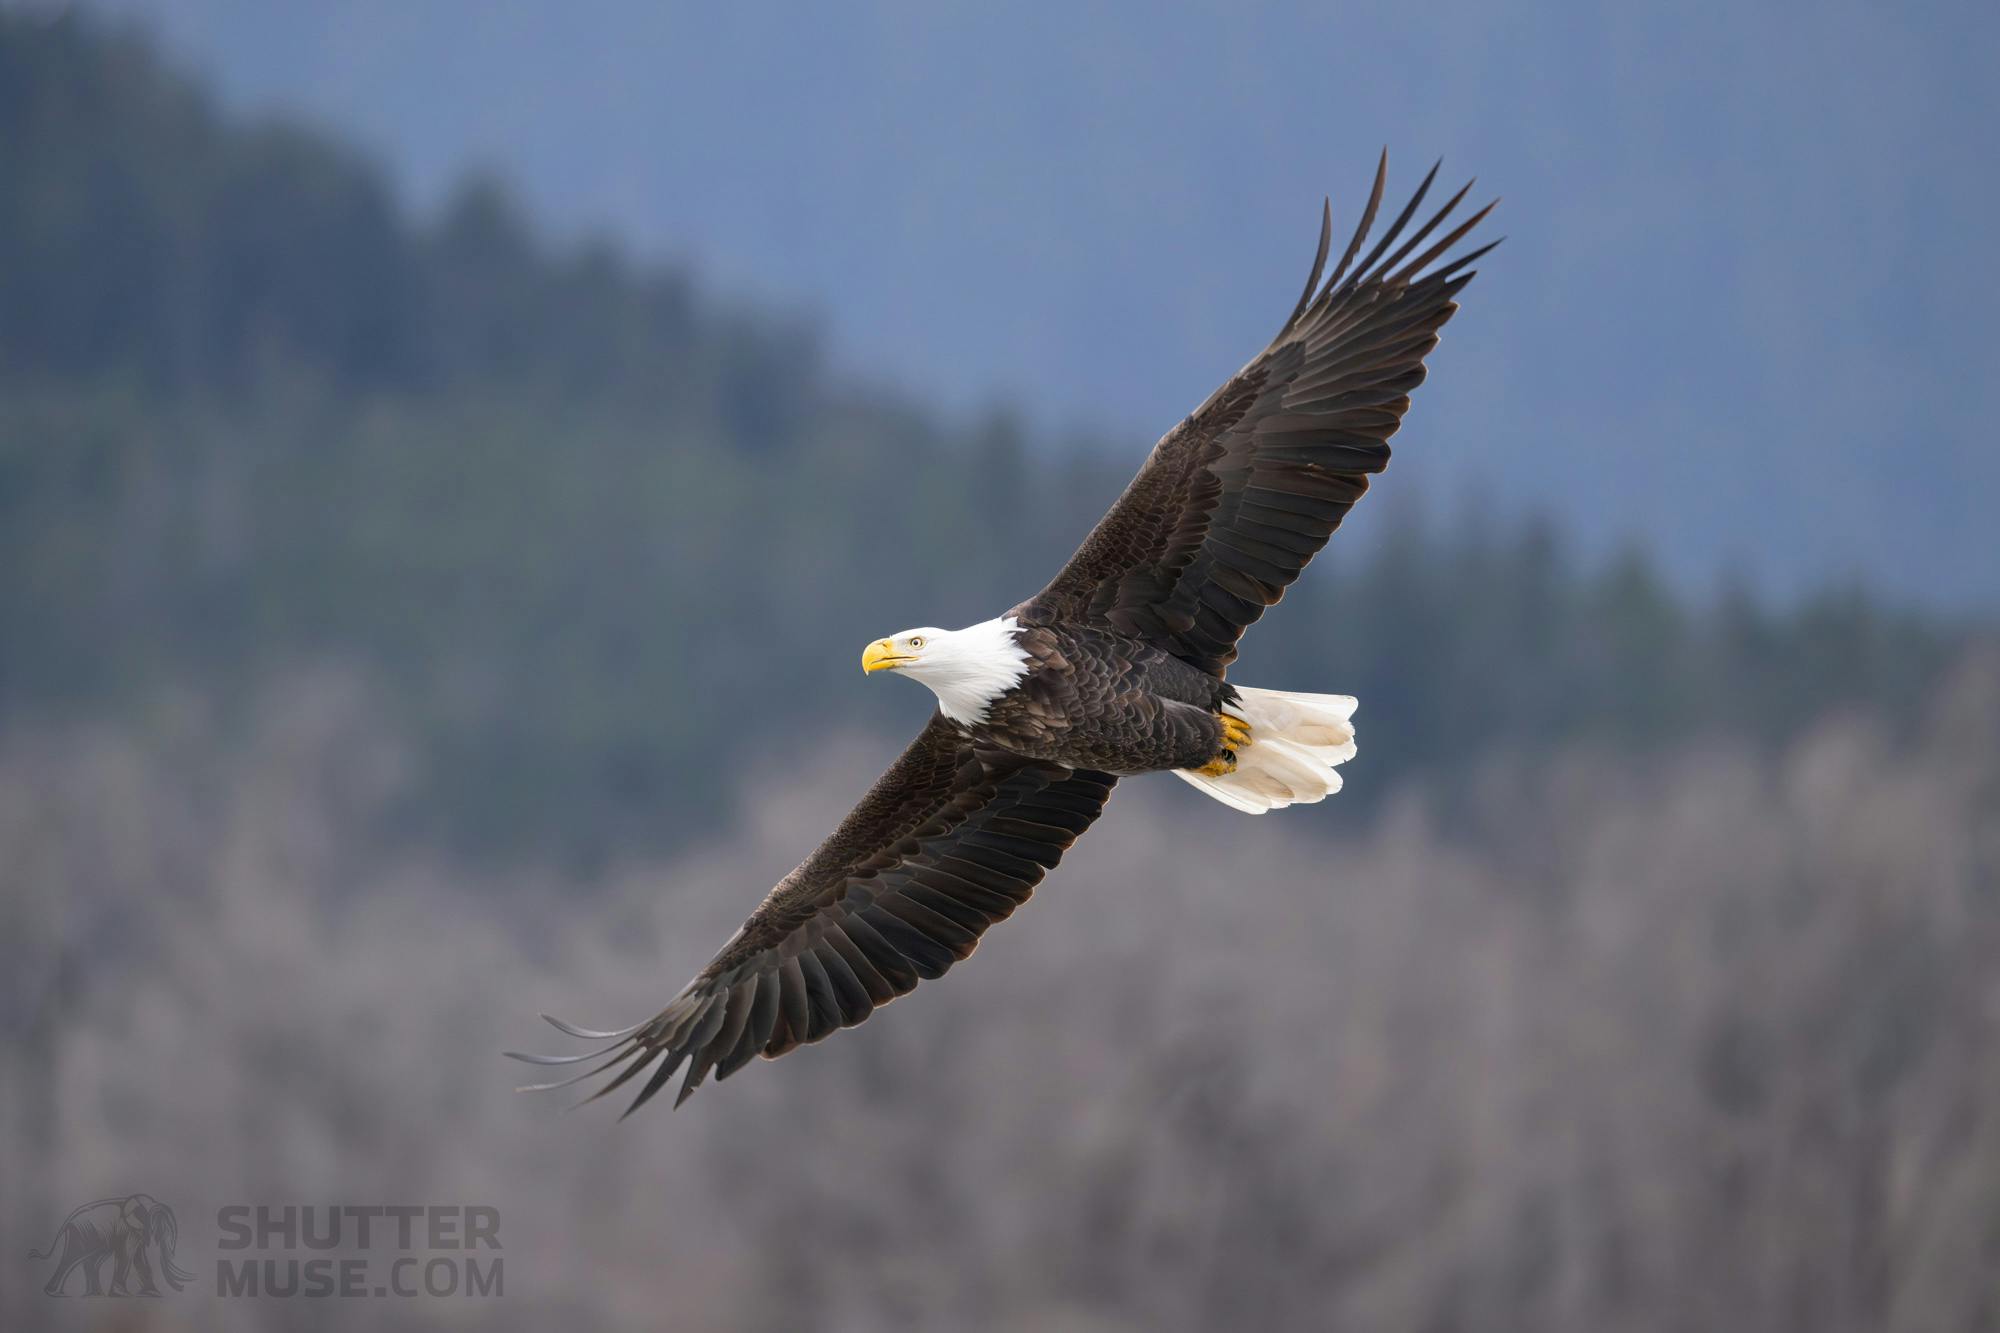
(1704,1043)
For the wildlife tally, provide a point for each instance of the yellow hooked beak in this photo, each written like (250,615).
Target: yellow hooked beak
(881,655)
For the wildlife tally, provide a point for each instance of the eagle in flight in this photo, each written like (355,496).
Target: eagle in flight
(1115,668)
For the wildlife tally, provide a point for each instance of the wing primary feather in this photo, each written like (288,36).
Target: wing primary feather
(626,1074)
(1319,266)
(653,1084)
(626,1054)
(742,999)
(529,1058)
(696,1012)
(1417,237)
(630,1070)
(1361,228)
(722,1011)
(698,1068)
(1469,257)
(757,1031)
(699,1029)
(1457,234)
(590,1034)
(1395,230)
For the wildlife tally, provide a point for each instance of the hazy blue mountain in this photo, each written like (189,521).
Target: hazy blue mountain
(1743,314)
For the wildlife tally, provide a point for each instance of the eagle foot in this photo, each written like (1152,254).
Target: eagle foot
(1235,737)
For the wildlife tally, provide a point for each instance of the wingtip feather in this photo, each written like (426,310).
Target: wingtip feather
(1319,266)
(591,1034)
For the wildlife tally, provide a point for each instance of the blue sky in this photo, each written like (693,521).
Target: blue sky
(1743,315)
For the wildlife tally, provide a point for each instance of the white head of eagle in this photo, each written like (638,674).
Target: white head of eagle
(966,668)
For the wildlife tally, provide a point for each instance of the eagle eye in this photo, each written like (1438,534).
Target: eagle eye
(916,641)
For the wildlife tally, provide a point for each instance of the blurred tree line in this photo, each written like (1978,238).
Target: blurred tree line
(594,534)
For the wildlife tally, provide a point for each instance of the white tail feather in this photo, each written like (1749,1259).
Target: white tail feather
(1296,742)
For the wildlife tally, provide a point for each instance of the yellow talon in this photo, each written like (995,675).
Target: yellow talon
(1235,736)
(1235,732)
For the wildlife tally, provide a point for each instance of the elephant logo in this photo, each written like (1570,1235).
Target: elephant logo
(129,1230)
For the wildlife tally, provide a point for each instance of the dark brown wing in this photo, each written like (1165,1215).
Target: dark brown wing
(1237,498)
(951,839)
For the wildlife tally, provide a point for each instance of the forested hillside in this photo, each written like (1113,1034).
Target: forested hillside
(592,532)
(409,625)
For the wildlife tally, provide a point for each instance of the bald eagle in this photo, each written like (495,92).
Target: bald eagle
(1115,668)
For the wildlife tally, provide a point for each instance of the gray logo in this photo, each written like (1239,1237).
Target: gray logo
(130,1231)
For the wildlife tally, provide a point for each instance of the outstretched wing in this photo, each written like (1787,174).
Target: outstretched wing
(1236,499)
(951,839)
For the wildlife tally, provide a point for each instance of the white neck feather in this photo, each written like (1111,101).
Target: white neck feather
(969,668)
